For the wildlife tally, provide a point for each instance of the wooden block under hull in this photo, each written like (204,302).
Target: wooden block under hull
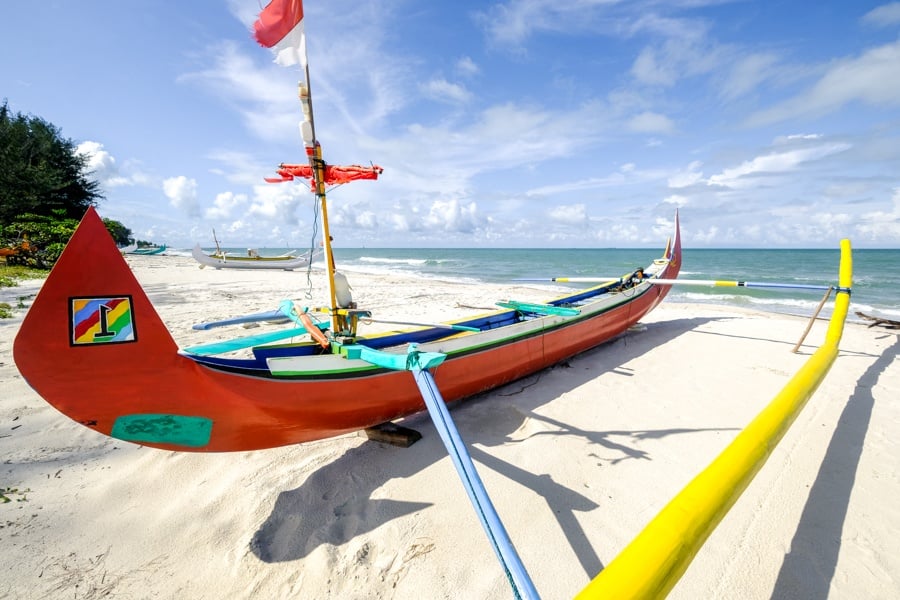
(393,434)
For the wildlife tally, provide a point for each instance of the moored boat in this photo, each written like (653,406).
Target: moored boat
(94,347)
(148,250)
(253,260)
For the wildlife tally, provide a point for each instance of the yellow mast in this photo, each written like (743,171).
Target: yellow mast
(314,152)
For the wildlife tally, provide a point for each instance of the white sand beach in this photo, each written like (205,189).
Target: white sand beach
(577,459)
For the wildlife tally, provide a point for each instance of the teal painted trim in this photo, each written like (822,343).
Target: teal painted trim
(269,315)
(413,359)
(177,430)
(244,342)
(543,309)
(465,328)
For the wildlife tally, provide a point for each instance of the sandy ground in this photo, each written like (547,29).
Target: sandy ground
(577,459)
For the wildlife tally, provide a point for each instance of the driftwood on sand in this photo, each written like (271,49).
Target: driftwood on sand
(886,323)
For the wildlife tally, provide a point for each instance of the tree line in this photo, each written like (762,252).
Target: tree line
(45,188)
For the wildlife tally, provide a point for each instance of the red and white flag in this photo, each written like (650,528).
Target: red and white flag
(280,27)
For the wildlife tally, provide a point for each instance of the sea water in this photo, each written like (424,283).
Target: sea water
(876,274)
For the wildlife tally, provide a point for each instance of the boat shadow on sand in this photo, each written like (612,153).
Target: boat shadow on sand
(335,504)
(809,566)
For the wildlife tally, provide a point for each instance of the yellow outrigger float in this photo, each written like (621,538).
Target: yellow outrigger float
(651,565)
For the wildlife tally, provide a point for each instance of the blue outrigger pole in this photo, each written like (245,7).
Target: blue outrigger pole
(419,364)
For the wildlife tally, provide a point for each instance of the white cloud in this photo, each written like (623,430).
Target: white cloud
(448,155)
(182,194)
(467,67)
(662,228)
(882,226)
(452,215)
(747,74)
(676,199)
(684,51)
(572,214)
(775,162)
(651,69)
(99,161)
(707,236)
(224,204)
(444,91)
(267,101)
(786,139)
(621,233)
(241,168)
(611,180)
(366,220)
(512,23)
(651,122)
(236,226)
(399,222)
(103,167)
(688,177)
(277,202)
(883,16)
(872,78)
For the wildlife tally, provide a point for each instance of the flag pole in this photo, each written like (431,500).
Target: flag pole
(280,28)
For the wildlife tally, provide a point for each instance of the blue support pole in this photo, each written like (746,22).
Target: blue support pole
(515,571)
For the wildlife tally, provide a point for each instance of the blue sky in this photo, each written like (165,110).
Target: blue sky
(537,123)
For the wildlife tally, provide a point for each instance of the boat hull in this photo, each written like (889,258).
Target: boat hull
(147,251)
(286,263)
(94,347)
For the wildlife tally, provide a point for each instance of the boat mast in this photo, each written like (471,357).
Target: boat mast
(216,240)
(314,153)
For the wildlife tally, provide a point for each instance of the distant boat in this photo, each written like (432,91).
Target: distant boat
(253,260)
(129,248)
(149,250)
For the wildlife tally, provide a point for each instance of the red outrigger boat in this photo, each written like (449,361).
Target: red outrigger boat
(94,347)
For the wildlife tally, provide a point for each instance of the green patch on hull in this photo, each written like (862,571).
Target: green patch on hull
(177,430)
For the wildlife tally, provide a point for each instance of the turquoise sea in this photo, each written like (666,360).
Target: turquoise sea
(876,274)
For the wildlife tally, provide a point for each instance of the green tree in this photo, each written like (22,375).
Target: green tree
(119,232)
(41,173)
(44,190)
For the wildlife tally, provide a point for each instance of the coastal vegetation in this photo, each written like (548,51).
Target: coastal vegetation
(45,188)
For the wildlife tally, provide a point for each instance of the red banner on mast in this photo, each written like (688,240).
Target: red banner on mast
(334,175)
(280,27)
